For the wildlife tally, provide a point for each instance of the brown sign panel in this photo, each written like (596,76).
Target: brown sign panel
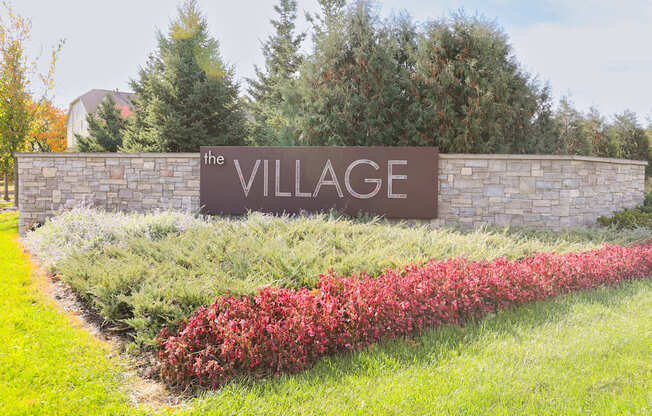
(397,182)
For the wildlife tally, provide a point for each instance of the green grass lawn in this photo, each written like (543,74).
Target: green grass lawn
(47,365)
(585,353)
(4,203)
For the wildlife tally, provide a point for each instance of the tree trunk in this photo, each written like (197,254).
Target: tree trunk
(6,180)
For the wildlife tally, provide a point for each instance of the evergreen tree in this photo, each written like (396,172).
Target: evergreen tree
(106,129)
(571,130)
(329,21)
(455,85)
(474,95)
(601,136)
(356,85)
(186,96)
(273,92)
(631,137)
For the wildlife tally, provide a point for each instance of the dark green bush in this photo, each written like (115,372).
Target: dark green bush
(631,218)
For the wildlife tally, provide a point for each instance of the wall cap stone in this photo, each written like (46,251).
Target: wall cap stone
(441,155)
(541,157)
(46,155)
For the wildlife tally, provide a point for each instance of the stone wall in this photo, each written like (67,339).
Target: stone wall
(538,191)
(50,182)
(532,190)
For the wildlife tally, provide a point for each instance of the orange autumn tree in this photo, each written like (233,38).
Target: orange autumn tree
(48,130)
(17,89)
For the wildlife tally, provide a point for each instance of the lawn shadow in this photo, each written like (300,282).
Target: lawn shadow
(436,344)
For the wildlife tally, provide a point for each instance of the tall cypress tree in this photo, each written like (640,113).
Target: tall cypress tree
(273,95)
(186,96)
(106,129)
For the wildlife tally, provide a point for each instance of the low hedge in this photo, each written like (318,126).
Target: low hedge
(631,218)
(286,330)
(141,272)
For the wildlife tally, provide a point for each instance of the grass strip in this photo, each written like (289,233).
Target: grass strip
(47,365)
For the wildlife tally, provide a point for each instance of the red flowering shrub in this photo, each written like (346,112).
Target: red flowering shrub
(288,329)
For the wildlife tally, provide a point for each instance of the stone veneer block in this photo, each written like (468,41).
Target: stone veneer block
(527,185)
(49,172)
(117,172)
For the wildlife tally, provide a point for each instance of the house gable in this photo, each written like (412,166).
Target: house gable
(89,103)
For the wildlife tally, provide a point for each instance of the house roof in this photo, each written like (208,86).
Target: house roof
(93,98)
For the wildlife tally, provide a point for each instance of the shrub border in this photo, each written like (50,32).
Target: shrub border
(287,330)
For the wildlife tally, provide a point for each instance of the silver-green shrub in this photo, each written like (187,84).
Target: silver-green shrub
(89,230)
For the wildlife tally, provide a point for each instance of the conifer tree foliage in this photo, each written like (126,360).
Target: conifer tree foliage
(356,86)
(631,136)
(454,84)
(186,96)
(273,93)
(599,134)
(591,134)
(106,129)
(571,130)
(475,96)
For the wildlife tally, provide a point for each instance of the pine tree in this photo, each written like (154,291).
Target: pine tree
(186,97)
(273,96)
(329,21)
(106,129)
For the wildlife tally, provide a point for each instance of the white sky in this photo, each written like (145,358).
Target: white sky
(598,52)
